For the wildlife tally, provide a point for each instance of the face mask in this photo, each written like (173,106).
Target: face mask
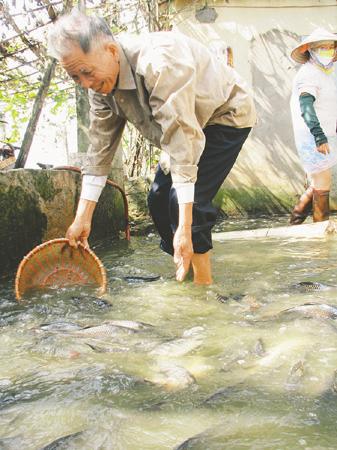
(323,57)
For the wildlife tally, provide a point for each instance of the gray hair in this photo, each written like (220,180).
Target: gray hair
(79,29)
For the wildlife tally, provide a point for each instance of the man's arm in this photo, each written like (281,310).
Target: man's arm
(105,133)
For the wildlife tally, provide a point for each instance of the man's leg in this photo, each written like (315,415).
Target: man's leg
(222,147)
(158,203)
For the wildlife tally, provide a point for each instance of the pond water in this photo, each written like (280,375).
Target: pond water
(176,365)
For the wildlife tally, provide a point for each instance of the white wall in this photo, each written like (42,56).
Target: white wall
(262,34)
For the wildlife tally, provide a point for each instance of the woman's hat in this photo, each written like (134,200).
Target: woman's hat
(300,53)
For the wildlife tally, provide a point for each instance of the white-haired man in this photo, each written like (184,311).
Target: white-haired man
(180,97)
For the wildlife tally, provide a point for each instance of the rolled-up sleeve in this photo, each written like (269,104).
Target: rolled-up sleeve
(105,132)
(171,84)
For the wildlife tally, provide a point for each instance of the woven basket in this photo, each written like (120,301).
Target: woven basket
(56,264)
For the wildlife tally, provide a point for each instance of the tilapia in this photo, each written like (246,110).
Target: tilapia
(334,382)
(111,328)
(310,310)
(62,441)
(250,300)
(258,350)
(100,302)
(171,377)
(190,340)
(312,286)
(58,327)
(105,330)
(296,373)
(140,279)
(226,298)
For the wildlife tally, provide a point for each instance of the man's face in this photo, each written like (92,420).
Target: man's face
(97,70)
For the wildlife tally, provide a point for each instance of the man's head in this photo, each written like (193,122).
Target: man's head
(86,49)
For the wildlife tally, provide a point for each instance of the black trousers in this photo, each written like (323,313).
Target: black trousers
(223,144)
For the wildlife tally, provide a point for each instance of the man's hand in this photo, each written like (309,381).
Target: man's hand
(324,148)
(182,241)
(183,251)
(79,230)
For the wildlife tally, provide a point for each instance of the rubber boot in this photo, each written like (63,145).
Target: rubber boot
(303,208)
(321,208)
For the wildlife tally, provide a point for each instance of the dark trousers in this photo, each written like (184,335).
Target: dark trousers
(223,144)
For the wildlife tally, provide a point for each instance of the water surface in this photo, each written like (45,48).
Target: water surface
(218,369)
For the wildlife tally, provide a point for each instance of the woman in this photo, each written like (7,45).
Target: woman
(314,115)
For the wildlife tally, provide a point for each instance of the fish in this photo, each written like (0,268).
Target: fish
(223,395)
(62,441)
(259,348)
(138,278)
(334,382)
(100,302)
(226,298)
(111,328)
(296,373)
(59,327)
(106,329)
(190,340)
(312,286)
(10,443)
(310,310)
(171,377)
(99,349)
(242,298)
(190,443)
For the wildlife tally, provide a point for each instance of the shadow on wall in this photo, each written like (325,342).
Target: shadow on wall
(273,72)
(268,177)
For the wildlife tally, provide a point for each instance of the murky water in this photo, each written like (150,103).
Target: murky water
(211,367)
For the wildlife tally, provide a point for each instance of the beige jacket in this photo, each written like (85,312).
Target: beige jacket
(170,87)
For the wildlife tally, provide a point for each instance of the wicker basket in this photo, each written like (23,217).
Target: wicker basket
(56,264)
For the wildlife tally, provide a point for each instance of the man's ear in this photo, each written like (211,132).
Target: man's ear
(112,48)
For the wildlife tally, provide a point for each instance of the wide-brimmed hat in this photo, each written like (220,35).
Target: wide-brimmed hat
(300,53)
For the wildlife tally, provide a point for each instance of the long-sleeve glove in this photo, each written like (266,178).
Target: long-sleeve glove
(311,119)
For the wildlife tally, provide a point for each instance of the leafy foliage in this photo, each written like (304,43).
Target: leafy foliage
(23,58)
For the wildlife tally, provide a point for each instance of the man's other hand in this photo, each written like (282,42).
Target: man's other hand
(183,251)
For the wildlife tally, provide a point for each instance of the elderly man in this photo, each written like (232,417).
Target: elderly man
(181,98)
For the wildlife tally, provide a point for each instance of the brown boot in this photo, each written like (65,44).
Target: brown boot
(302,208)
(321,206)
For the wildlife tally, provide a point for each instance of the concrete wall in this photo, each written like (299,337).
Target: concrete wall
(268,176)
(38,205)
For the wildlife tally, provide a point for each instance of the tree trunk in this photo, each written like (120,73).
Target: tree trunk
(82,113)
(37,108)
